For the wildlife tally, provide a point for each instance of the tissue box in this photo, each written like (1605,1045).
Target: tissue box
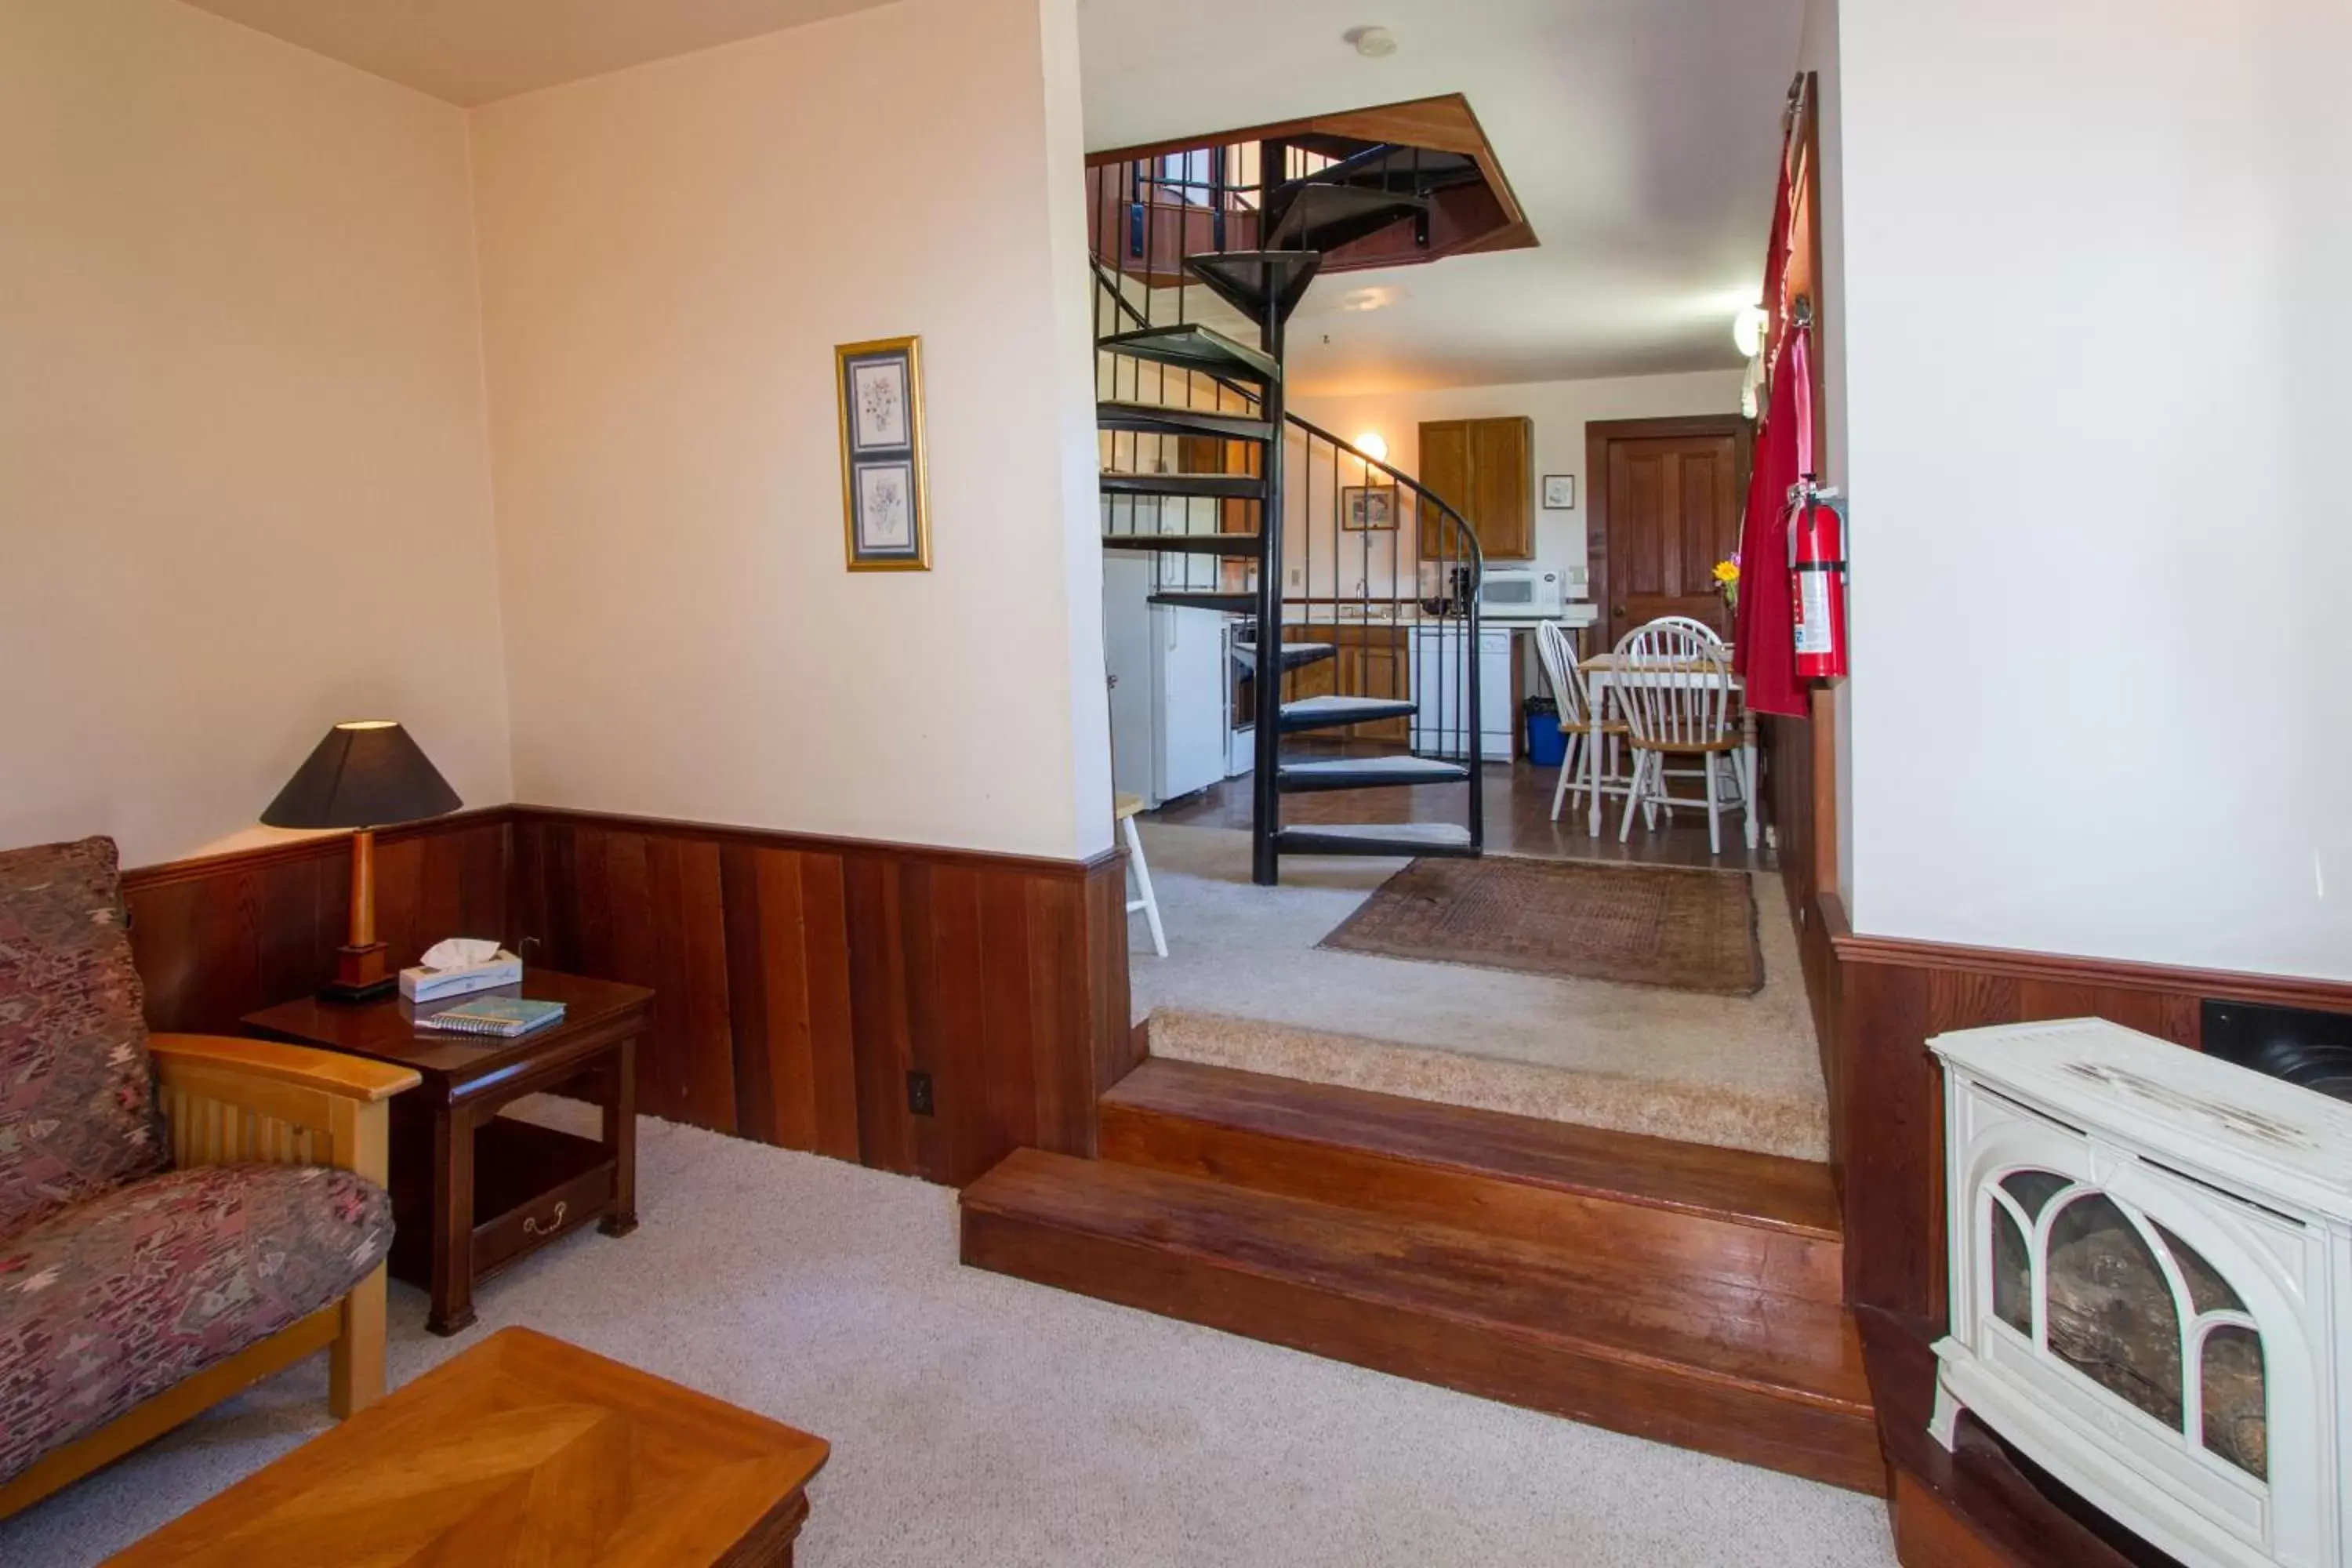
(423,984)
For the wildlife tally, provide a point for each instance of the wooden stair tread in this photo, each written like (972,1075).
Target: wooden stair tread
(1762,1190)
(1567,1302)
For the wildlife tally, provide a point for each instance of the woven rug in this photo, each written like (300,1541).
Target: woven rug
(1680,928)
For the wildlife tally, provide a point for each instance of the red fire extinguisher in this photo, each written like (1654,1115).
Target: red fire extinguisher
(1817,578)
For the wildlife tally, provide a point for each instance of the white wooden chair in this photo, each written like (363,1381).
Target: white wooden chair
(1695,624)
(1581,767)
(1126,808)
(1673,684)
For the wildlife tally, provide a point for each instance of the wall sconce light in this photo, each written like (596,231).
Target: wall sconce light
(1372,446)
(1747,330)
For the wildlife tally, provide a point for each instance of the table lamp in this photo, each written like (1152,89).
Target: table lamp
(367,774)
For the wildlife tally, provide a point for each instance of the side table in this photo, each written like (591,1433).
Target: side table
(471,1190)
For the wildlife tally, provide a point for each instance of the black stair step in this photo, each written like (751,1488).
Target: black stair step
(1294,655)
(1156,419)
(1366,773)
(1247,279)
(1235,604)
(1191,346)
(1250,545)
(1325,217)
(1445,838)
(1330,712)
(1330,145)
(1389,166)
(1224,486)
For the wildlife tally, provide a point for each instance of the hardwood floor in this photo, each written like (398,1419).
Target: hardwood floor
(1684,1294)
(1519,816)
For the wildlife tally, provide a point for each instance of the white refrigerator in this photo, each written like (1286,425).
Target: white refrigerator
(1169,690)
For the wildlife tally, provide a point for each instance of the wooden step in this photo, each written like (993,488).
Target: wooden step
(1662,1353)
(1726,1213)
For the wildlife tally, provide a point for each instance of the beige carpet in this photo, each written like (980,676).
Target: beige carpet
(1245,985)
(979,1422)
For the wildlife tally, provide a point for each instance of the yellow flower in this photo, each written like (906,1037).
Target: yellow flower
(1727,572)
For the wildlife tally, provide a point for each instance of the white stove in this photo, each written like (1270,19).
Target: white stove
(2151,1284)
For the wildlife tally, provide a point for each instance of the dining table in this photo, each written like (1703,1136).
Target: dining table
(1600,670)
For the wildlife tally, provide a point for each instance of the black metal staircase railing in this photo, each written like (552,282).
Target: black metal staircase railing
(1358,585)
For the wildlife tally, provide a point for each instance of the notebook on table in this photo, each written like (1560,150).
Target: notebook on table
(502,1017)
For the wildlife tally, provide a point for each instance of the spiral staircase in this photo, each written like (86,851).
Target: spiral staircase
(1202,256)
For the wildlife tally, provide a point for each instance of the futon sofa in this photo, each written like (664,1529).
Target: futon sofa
(179,1215)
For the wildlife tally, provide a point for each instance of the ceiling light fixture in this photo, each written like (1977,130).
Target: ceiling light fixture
(1372,43)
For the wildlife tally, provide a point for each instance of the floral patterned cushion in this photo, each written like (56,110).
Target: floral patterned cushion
(120,1298)
(77,1106)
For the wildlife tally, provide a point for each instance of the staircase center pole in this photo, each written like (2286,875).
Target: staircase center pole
(1265,863)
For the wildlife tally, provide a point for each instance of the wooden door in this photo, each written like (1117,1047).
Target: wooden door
(1502,487)
(1668,510)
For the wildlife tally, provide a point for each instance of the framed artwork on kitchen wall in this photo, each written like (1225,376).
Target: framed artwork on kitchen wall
(885,501)
(1368,508)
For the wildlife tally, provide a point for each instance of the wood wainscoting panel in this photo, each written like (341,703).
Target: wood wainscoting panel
(1891,996)
(225,935)
(803,980)
(798,980)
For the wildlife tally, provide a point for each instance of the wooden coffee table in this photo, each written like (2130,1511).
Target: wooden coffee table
(522,1450)
(471,1190)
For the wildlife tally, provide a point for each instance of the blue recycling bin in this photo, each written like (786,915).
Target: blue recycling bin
(1547,747)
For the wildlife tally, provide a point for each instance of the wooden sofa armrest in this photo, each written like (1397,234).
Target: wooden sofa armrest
(355,1077)
(235,1101)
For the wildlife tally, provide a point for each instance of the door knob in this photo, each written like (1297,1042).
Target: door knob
(1616,609)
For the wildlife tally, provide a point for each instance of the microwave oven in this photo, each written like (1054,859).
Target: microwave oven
(1521,593)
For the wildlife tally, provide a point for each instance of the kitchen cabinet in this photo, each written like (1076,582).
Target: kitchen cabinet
(1484,469)
(1368,661)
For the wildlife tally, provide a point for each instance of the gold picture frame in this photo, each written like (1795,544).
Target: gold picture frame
(885,498)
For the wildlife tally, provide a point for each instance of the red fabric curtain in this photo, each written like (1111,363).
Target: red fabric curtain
(1764,649)
(1763,633)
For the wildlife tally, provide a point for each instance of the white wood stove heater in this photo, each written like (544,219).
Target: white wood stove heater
(2151,1284)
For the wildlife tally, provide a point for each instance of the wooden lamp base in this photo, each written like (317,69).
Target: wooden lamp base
(362,974)
(362,970)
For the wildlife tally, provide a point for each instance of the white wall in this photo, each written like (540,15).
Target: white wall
(2097,354)
(1560,410)
(244,478)
(668,256)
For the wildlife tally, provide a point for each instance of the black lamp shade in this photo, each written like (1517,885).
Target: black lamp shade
(368,773)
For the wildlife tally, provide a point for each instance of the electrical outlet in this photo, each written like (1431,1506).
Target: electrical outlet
(1297,576)
(918,1094)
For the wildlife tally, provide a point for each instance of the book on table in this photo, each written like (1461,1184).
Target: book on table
(502,1017)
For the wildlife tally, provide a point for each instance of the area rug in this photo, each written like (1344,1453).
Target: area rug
(1678,928)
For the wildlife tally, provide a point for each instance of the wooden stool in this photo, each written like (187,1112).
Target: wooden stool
(1125,807)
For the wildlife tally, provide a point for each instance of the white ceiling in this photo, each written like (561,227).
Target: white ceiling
(476,52)
(1640,135)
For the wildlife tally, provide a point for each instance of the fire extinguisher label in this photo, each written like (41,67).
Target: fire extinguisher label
(1813,612)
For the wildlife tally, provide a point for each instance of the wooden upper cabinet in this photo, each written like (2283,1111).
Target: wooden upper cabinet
(1484,469)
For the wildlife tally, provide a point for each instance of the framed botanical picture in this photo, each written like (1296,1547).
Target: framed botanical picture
(1368,508)
(885,505)
(1559,492)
